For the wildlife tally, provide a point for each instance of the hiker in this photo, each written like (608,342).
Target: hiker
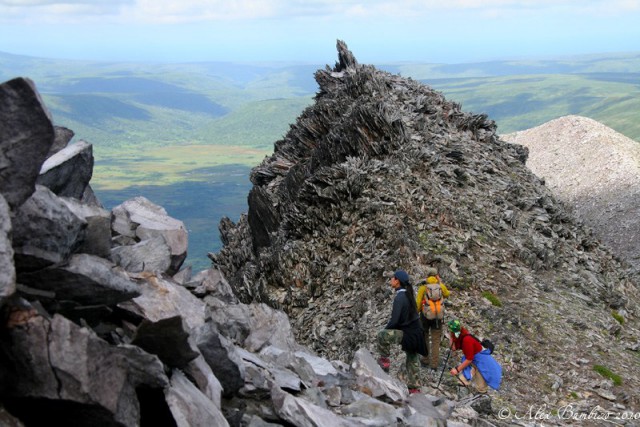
(430,305)
(403,328)
(478,368)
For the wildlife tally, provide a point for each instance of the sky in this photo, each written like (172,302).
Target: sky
(376,31)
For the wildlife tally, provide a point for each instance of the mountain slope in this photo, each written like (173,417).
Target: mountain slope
(596,171)
(383,172)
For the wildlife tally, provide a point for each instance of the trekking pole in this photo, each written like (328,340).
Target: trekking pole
(446,360)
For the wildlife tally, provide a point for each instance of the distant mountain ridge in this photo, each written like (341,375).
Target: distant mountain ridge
(596,171)
(139,115)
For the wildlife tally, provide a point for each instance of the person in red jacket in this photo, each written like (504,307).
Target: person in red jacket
(461,339)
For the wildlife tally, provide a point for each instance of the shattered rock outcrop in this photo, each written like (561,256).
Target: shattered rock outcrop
(383,172)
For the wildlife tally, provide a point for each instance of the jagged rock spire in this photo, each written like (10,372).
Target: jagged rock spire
(346,59)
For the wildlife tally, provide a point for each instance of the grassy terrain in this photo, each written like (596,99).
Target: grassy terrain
(186,135)
(521,102)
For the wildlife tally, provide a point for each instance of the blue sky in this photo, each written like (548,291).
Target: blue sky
(377,31)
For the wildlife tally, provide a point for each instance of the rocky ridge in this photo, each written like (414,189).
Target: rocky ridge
(101,325)
(594,170)
(382,172)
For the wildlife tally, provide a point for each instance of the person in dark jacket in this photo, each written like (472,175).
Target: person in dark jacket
(403,328)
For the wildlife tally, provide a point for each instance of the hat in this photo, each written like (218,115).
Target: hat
(454,325)
(431,271)
(402,276)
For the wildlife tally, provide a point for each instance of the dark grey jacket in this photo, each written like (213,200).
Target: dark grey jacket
(413,336)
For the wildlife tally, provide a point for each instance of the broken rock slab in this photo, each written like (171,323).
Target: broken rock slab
(45,231)
(370,376)
(62,137)
(84,279)
(152,255)
(162,298)
(68,172)
(26,133)
(189,406)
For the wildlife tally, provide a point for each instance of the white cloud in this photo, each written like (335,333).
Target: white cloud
(185,11)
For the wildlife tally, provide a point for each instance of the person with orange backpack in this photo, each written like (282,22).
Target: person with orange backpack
(429,302)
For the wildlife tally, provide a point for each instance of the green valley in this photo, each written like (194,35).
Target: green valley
(186,135)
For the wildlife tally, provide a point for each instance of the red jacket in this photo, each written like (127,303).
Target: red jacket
(470,346)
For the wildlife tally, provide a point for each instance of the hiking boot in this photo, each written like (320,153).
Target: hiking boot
(384,363)
(413,390)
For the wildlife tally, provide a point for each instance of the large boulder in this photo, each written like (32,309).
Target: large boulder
(254,326)
(26,135)
(140,219)
(58,370)
(45,231)
(84,279)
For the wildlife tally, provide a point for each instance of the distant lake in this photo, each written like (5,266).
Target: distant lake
(200,205)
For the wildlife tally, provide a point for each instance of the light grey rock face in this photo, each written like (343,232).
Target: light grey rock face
(67,362)
(152,255)
(215,285)
(162,299)
(370,376)
(255,326)
(204,379)
(45,231)
(141,219)
(189,406)
(26,133)
(68,172)
(7,269)
(372,412)
(300,412)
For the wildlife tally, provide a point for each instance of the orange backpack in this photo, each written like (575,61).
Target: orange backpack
(432,303)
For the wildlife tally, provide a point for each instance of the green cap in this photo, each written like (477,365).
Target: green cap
(454,325)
